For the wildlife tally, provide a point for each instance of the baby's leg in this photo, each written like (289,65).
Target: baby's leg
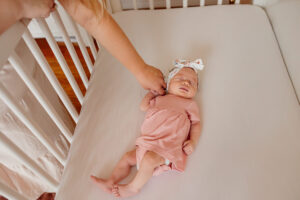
(150,161)
(121,171)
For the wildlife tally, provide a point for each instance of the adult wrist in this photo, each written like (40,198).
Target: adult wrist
(19,8)
(139,70)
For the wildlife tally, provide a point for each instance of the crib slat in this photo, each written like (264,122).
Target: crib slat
(10,193)
(10,39)
(237,2)
(168,4)
(151,4)
(134,4)
(81,44)
(18,65)
(99,45)
(220,2)
(49,37)
(185,3)
(37,53)
(6,97)
(27,161)
(91,44)
(109,7)
(70,47)
(116,6)
(202,2)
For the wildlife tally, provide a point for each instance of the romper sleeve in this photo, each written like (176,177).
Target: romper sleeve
(193,113)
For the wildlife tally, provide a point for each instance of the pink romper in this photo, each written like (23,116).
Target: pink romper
(164,130)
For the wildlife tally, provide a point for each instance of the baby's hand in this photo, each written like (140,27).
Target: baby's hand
(188,147)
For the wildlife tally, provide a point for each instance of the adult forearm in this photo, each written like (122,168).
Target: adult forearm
(116,42)
(108,33)
(10,13)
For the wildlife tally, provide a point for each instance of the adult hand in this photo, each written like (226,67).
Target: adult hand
(36,8)
(152,79)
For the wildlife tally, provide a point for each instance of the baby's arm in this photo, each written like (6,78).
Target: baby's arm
(195,133)
(146,101)
(190,145)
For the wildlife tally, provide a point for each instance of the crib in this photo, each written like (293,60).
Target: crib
(248,97)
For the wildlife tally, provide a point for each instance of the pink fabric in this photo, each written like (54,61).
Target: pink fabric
(165,128)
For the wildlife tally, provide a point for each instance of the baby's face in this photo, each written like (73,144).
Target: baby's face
(184,83)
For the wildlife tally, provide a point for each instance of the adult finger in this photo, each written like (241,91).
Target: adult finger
(154,92)
(53,7)
(161,91)
(51,3)
(185,143)
(163,83)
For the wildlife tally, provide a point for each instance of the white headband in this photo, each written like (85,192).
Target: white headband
(180,63)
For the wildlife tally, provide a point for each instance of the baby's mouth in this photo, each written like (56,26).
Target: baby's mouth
(184,89)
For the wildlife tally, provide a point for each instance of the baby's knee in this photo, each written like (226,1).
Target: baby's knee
(130,157)
(152,159)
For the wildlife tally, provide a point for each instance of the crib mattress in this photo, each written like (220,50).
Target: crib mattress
(284,17)
(249,147)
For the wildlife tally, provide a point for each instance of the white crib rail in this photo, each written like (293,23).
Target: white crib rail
(116,5)
(61,60)
(10,193)
(37,131)
(37,53)
(8,43)
(70,47)
(4,141)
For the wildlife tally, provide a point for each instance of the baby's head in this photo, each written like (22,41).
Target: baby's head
(184,83)
(183,79)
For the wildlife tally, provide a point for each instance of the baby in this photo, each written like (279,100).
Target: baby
(169,133)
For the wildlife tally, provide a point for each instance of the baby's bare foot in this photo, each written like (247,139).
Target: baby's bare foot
(120,190)
(105,185)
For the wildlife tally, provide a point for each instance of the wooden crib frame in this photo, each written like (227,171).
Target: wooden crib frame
(8,44)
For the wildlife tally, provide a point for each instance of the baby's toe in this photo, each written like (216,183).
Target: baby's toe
(115,189)
(116,193)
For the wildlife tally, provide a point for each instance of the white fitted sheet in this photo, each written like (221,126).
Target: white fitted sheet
(249,147)
(285,19)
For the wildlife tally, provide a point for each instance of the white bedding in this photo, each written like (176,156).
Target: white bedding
(285,19)
(12,172)
(249,147)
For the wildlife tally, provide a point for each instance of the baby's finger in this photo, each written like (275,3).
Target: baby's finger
(186,149)
(53,7)
(187,152)
(190,149)
(186,143)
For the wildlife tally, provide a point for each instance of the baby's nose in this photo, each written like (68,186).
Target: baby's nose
(186,82)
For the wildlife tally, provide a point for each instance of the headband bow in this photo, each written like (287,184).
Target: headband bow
(196,64)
